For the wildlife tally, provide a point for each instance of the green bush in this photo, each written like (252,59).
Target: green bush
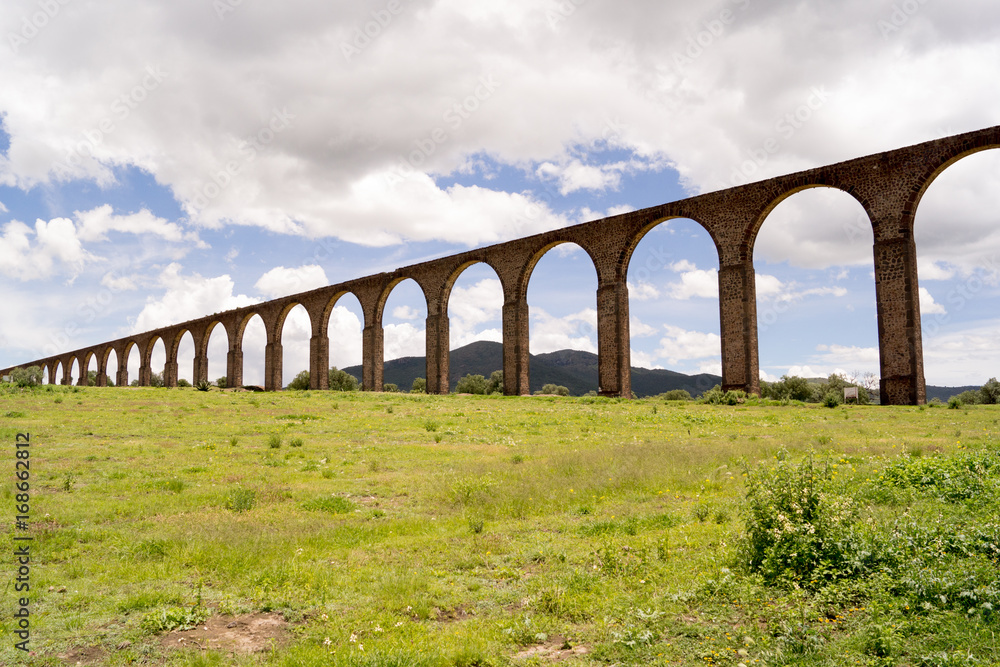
(241,500)
(472,384)
(954,403)
(792,388)
(342,380)
(203,386)
(715,396)
(300,382)
(26,377)
(222,382)
(495,383)
(970,397)
(419,386)
(183,383)
(554,390)
(274,441)
(676,395)
(390,387)
(989,393)
(794,532)
(832,399)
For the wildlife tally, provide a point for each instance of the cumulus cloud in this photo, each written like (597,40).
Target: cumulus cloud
(928,306)
(680,345)
(281,281)
(643,291)
(51,248)
(95,224)
(187,297)
(572,332)
(694,282)
(405,313)
(475,313)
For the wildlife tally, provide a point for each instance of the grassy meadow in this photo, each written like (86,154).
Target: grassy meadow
(399,529)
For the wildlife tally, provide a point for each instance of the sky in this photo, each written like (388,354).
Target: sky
(164,160)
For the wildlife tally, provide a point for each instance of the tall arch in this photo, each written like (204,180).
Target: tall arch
(153,356)
(472,302)
(212,353)
(338,341)
(402,314)
(814,273)
(251,333)
(293,331)
(671,272)
(956,231)
(565,291)
(110,365)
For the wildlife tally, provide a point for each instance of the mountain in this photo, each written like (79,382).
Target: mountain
(944,393)
(573,369)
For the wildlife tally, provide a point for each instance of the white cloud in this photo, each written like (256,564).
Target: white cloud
(682,345)
(188,297)
(95,224)
(405,313)
(281,281)
(572,332)
(51,248)
(962,355)
(643,360)
(927,304)
(404,340)
(639,330)
(470,308)
(695,283)
(929,270)
(643,291)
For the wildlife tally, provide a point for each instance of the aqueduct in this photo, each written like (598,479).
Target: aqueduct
(888,185)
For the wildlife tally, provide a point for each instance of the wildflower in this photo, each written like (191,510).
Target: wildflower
(353,638)
(327,642)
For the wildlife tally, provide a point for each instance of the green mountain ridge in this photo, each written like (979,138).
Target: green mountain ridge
(573,369)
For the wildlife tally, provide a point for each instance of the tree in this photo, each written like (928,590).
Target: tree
(26,377)
(676,395)
(391,387)
(300,382)
(495,383)
(181,382)
(342,380)
(222,382)
(472,384)
(419,386)
(156,379)
(554,390)
(989,393)
(91,378)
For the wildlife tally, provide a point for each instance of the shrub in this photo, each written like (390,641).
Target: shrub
(222,382)
(156,379)
(472,384)
(954,403)
(970,397)
(788,387)
(203,386)
(832,399)
(300,382)
(495,383)
(26,377)
(419,386)
(342,380)
(554,390)
(274,441)
(989,393)
(241,500)
(715,396)
(295,442)
(183,383)
(390,387)
(793,530)
(676,395)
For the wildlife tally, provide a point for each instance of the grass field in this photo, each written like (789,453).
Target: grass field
(328,528)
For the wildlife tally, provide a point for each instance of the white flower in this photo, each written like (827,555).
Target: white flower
(353,638)
(327,642)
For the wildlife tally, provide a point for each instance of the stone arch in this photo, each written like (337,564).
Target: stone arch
(445,308)
(753,230)
(815,311)
(148,350)
(57,372)
(202,360)
(88,357)
(319,346)
(277,344)
(104,372)
(126,361)
(933,171)
(647,270)
(239,338)
(429,309)
(958,300)
(524,276)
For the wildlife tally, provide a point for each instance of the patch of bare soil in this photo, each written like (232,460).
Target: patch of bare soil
(84,655)
(554,650)
(249,633)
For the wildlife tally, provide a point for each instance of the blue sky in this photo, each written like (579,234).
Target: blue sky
(164,160)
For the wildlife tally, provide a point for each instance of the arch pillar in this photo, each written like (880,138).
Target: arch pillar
(901,357)
(515,347)
(199,371)
(234,366)
(738,326)
(84,379)
(170,373)
(102,368)
(437,339)
(272,366)
(145,373)
(614,365)
(372,357)
(67,378)
(319,361)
